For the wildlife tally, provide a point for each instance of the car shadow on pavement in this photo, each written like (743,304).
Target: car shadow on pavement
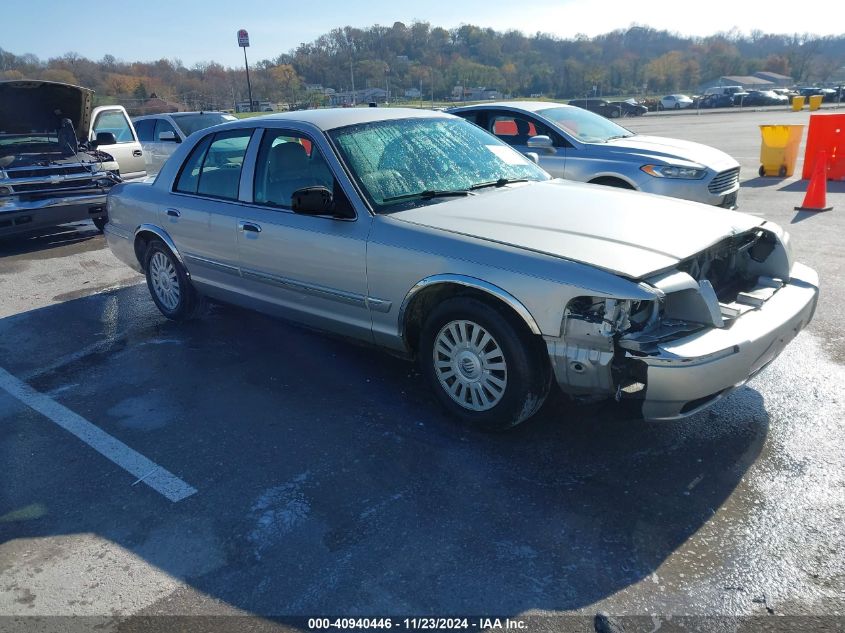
(833,186)
(47,238)
(328,480)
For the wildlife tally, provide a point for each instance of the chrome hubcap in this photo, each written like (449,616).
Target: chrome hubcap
(165,281)
(470,365)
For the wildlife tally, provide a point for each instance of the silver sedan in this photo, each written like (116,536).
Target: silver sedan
(576,144)
(423,234)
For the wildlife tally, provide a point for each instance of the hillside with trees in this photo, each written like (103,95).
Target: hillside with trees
(634,61)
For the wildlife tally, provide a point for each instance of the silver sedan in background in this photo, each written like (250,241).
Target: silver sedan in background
(160,134)
(576,144)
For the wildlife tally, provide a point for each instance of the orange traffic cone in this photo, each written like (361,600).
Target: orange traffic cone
(816,196)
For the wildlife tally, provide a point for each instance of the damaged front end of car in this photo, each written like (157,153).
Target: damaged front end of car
(688,336)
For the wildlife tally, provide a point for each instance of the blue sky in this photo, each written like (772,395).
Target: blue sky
(194,30)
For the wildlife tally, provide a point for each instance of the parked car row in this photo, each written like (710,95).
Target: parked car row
(59,156)
(611,109)
(422,233)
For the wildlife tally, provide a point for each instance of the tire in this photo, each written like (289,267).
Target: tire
(677,106)
(100,223)
(486,369)
(782,171)
(660,107)
(168,283)
(762,171)
(614,114)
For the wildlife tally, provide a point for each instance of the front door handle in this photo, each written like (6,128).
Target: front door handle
(173,213)
(137,153)
(249,226)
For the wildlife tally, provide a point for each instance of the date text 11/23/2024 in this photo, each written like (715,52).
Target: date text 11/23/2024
(416,624)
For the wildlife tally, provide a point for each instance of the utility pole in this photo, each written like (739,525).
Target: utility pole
(243,42)
(351,70)
(352,75)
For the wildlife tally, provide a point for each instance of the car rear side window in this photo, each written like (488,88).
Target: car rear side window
(214,166)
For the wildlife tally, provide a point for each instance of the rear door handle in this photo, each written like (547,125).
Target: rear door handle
(249,226)
(173,213)
(137,153)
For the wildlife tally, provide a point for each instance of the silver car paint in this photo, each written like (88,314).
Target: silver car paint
(621,158)
(357,276)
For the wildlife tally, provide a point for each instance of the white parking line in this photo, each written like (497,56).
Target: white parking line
(145,470)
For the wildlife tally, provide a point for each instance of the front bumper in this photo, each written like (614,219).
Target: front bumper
(19,215)
(694,190)
(691,373)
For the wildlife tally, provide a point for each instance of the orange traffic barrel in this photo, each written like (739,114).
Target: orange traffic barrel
(826,133)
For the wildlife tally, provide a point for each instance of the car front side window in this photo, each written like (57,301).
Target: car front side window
(288,161)
(162,126)
(115,122)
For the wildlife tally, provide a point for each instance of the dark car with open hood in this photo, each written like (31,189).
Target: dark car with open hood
(51,170)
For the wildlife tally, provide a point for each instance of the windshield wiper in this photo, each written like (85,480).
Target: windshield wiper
(428,194)
(501,182)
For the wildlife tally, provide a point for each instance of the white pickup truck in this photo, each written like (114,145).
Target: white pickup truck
(59,156)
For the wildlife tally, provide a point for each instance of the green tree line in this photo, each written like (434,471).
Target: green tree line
(635,61)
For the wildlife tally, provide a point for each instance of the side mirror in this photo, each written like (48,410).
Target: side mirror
(533,157)
(105,138)
(313,201)
(169,136)
(540,142)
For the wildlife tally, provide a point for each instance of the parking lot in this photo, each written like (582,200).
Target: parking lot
(237,465)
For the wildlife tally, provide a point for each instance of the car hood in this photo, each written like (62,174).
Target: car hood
(28,104)
(625,232)
(671,149)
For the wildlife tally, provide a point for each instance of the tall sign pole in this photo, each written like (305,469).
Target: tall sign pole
(243,42)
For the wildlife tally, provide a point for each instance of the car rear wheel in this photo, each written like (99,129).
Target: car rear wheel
(484,367)
(100,223)
(168,283)
(677,106)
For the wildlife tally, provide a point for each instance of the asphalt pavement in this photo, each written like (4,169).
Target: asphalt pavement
(237,465)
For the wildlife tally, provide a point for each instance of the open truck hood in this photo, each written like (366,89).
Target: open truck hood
(28,105)
(626,232)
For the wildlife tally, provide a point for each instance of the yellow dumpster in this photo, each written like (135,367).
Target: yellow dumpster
(779,150)
(797,104)
(815,102)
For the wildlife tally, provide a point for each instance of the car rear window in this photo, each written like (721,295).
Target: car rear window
(190,123)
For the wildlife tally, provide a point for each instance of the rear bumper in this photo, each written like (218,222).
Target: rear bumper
(19,216)
(122,245)
(692,373)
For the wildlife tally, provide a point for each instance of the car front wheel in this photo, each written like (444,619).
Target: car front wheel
(484,368)
(168,283)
